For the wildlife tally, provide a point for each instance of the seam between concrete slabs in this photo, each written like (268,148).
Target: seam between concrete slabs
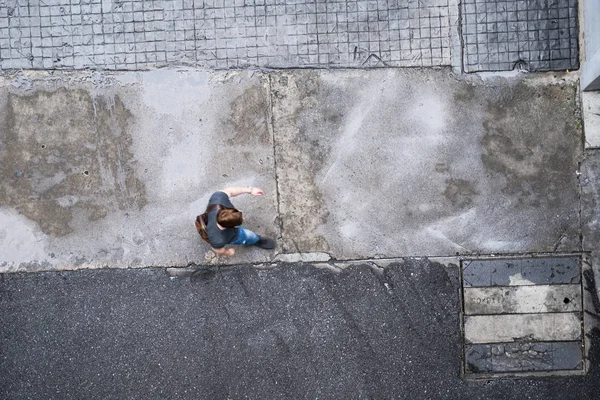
(372,262)
(276,170)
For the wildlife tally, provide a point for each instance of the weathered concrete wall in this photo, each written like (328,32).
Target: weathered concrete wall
(590,74)
(110,170)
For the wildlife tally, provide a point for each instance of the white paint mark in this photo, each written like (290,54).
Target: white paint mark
(180,170)
(430,112)
(441,236)
(303,257)
(20,240)
(349,230)
(347,143)
(518,280)
(500,74)
(329,170)
(67,201)
(499,245)
(173,92)
(426,207)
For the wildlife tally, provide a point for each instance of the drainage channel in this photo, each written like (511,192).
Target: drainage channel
(522,317)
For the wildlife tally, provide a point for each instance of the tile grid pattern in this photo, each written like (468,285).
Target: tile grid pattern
(141,34)
(540,35)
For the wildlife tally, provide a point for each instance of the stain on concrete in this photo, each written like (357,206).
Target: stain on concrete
(249,118)
(513,149)
(464,93)
(306,109)
(459,192)
(442,168)
(65,152)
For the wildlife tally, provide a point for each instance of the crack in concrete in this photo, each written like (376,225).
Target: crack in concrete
(277,189)
(561,237)
(379,60)
(579,199)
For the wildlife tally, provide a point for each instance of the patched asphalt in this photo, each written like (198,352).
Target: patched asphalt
(291,331)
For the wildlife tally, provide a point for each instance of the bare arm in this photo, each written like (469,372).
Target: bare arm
(237,190)
(224,252)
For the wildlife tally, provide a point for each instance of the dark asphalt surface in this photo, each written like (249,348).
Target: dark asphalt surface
(292,332)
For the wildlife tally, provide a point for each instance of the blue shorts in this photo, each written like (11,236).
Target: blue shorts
(245,237)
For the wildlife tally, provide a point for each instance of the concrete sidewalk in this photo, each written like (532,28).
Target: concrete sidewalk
(110,170)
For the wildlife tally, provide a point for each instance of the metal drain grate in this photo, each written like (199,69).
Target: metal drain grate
(522,316)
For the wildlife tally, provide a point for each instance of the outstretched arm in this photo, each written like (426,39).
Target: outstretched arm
(237,190)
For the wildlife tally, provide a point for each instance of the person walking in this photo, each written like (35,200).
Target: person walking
(223,222)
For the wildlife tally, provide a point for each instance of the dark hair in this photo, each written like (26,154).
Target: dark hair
(229,218)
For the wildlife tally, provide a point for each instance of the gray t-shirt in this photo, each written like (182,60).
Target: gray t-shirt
(219,238)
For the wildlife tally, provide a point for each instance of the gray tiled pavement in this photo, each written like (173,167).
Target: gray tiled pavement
(144,34)
(540,34)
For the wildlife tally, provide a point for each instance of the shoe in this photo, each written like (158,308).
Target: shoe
(265,243)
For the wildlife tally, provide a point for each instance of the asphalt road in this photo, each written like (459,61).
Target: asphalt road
(290,332)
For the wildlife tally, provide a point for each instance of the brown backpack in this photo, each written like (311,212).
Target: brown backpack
(202,220)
